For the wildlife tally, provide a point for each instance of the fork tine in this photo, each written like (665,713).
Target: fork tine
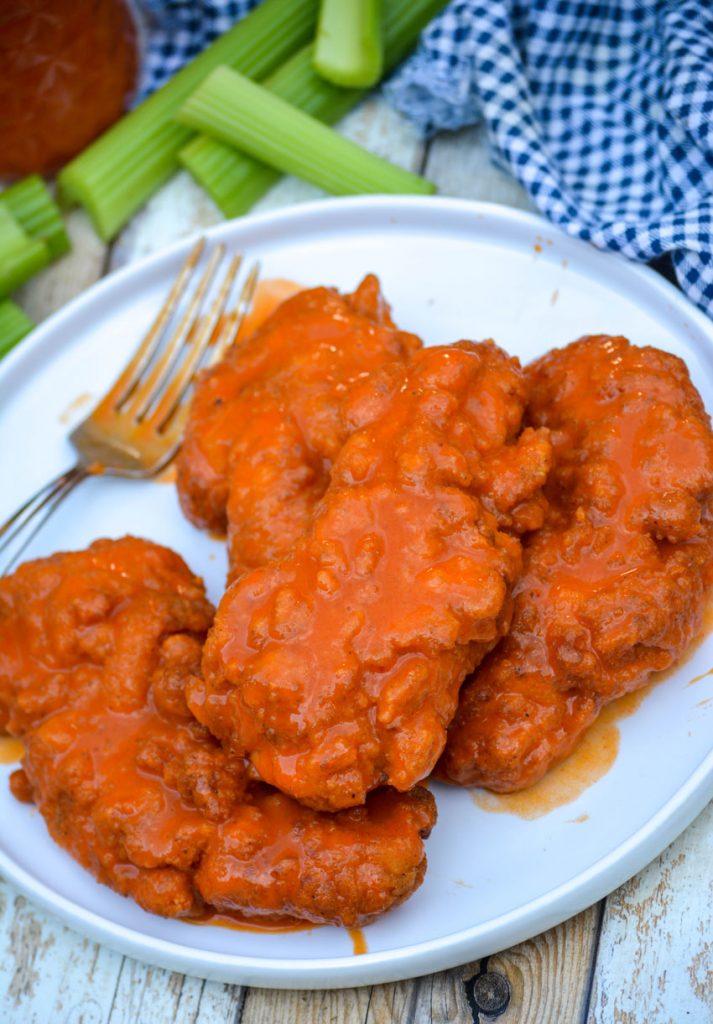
(26,514)
(172,436)
(181,379)
(54,500)
(177,417)
(235,321)
(125,382)
(147,390)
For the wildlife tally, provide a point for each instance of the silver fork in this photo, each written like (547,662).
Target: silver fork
(137,426)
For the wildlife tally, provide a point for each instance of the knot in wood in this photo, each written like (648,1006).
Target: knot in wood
(488,992)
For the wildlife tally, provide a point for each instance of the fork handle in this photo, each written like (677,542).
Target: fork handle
(17,531)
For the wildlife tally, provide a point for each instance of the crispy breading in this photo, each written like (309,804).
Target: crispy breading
(265,423)
(96,650)
(336,669)
(615,584)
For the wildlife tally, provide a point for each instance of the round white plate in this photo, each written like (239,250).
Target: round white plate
(451,269)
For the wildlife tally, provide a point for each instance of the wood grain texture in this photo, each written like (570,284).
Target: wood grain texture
(47,971)
(70,275)
(434,999)
(655,956)
(338,1006)
(550,975)
(459,164)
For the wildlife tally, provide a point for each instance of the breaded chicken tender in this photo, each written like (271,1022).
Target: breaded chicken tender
(91,618)
(96,650)
(615,584)
(265,427)
(336,669)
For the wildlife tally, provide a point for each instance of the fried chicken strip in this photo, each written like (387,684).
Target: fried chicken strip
(265,427)
(615,584)
(96,650)
(336,669)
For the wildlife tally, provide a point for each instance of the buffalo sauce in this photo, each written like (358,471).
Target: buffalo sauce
(269,294)
(594,755)
(591,759)
(11,750)
(358,938)
(241,923)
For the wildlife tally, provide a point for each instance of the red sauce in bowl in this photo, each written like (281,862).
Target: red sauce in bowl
(67,70)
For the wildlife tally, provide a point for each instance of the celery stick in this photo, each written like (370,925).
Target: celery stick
(236,181)
(37,213)
(348,48)
(248,116)
(118,172)
(233,180)
(14,325)
(20,255)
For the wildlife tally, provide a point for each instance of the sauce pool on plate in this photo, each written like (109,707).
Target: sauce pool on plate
(11,750)
(590,761)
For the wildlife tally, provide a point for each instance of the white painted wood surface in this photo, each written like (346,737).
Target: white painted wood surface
(644,956)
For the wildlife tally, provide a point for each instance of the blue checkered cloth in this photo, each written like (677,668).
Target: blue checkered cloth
(602,110)
(177,30)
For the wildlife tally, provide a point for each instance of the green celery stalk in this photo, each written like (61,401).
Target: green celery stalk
(34,209)
(234,180)
(20,255)
(118,172)
(14,325)
(348,48)
(236,110)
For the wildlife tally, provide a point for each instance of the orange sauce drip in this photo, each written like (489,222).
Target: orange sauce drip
(358,941)
(11,750)
(589,762)
(238,923)
(74,406)
(268,296)
(167,475)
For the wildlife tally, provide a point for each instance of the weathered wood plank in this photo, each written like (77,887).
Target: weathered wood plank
(435,999)
(338,1006)
(72,274)
(459,164)
(655,958)
(47,971)
(217,1003)
(149,995)
(549,975)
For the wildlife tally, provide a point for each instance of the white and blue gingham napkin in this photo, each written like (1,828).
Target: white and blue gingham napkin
(602,110)
(177,30)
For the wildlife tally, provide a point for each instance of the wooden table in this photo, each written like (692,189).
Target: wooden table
(642,956)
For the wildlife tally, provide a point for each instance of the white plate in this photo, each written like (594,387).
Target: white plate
(451,269)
